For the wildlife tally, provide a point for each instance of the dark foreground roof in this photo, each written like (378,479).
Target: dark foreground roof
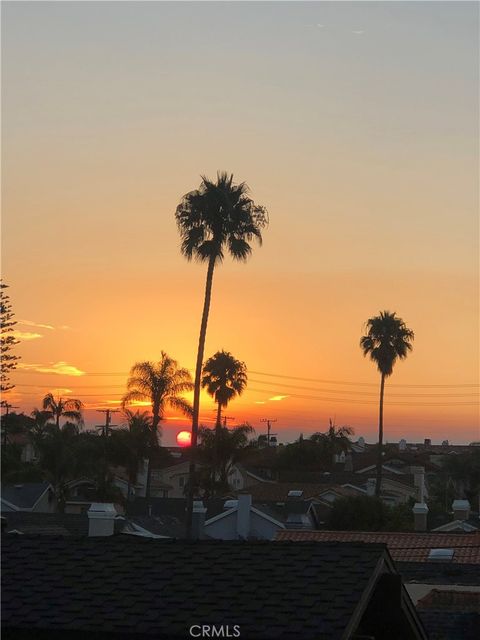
(117,587)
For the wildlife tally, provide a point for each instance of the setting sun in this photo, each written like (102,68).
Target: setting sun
(184,438)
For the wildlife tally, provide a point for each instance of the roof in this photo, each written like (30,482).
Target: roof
(452,600)
(278,491)
(439,573)
(343,477)
(56,524)
(24,496)
(172,507)
(450,614)
(404,547)
(150,588)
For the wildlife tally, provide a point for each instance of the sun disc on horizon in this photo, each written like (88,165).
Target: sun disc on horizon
(184,438)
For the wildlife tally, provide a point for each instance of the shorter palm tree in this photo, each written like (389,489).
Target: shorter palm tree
(56,408)
(224,377)
(334,440)
(58,461)
(133,444)
(387,339)
(163,384)
(219,450)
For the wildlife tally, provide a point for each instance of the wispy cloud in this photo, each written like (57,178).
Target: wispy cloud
(61,368)
(260,401)
(39,325)
(359,32)
(26,335)
(278,398)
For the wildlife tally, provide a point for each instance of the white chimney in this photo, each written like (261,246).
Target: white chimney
(101,519)
(371,484)
(243,515)
(420,512)
(461,509)
(198,520)
(419,481)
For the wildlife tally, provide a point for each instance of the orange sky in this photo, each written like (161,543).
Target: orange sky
(366,159)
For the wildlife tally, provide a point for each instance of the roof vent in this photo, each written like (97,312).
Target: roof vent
(295,493)
(441,555)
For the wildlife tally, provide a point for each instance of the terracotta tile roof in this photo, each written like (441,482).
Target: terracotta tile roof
(404,547)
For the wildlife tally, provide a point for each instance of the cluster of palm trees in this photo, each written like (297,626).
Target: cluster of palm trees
(163,385)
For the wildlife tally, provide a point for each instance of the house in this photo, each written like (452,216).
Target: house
(128,587)
(464,520)
(29,496)
(396,488)
(170,481)
(223,519)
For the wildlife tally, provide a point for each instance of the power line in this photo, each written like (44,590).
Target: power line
(285,377)
(308,397)
(368,393)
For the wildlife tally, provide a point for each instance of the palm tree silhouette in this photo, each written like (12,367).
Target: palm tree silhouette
(216,218)
(220,450)
(162,384)
(132,444)
(387,340)
(69,408)
(224,377)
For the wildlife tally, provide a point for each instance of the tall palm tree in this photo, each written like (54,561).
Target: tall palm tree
(162,384)
(56,408)
(224,377)
(387,339)
(217,218)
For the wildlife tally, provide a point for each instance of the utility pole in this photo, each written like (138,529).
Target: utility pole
(225,418)
(106,428)
(269,421)
(108,418)
(6,406)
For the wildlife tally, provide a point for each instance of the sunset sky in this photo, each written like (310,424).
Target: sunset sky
(355,124)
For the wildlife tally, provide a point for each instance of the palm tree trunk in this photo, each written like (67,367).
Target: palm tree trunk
(218,424)
(196,394)
(155,422)
(378,484)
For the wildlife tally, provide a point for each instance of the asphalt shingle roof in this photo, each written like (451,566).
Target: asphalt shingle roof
(403,547)
(156,588)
